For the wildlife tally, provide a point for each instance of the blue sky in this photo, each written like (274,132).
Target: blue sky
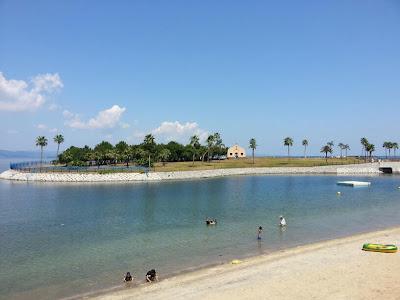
(113,70)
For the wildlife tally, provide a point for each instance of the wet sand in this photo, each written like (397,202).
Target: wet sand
(336,269)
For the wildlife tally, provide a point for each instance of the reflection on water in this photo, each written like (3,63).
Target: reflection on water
(57,236)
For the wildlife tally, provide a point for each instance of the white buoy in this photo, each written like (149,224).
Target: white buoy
(338,193)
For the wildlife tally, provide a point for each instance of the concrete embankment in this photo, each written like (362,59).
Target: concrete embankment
(368,169)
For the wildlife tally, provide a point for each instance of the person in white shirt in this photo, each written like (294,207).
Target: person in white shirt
(282,221)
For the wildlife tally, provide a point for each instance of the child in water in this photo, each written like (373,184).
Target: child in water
(128,277)
(151,276)
(260,230)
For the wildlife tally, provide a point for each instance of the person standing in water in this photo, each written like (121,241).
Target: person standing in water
(259,233)
(282,221)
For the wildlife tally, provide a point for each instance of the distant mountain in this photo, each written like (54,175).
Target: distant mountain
(26,154)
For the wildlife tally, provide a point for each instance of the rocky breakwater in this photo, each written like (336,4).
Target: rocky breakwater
(370,169)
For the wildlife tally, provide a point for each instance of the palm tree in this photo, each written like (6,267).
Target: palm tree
(331,144)
(326,149)
(305,144)
(41,141)
(386,145)
(346,147)
(210,145)
(364,143)
(253,146)
(195,144)
(395,146)
(370,148)
(341,146)
(288,142)
(149,139)
(218,144)
(58,139)
(390,146)
(149,146)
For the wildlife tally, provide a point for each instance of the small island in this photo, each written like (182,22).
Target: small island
(150,161)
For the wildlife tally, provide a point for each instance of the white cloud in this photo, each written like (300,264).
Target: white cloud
(18,95)
(108,118)
(68,114)
(53,107)
(44,127)
(175,131)
(12,131)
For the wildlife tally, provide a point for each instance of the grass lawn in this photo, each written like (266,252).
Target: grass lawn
(248,163)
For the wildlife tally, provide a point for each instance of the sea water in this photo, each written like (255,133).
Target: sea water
(62,240)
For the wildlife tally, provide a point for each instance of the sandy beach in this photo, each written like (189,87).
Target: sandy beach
(336,269)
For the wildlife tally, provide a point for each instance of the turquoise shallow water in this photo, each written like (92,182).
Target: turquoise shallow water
(60,240)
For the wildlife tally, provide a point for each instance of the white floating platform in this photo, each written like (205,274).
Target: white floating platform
(354,183)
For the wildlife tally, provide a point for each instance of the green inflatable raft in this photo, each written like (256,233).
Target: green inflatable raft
(380,248)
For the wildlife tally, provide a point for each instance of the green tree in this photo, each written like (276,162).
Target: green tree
(195,144)
(111,156)
(123,152)
(210,146)
(386,145)
(395,146)
(103,147)
(104,153)
(331,144)
(58,139)
(164,155)
(288,142)
(128,154)
(390,147)
(370,148)
(149,140)
(141,156)
(121,147)
(41,141)
(326,149)
(346,147)
(218,145)
(76,156)
(364,143)
(98,157)
(253,146)
(177,151)
(149,145)
(305,144)
(341,146)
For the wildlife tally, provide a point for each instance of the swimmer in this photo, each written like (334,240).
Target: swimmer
(128,277)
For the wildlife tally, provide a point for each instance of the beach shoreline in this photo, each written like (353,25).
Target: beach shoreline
(356,169)
(310,271)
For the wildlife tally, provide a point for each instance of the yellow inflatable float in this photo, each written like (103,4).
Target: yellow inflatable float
(380,248)
(236,262)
